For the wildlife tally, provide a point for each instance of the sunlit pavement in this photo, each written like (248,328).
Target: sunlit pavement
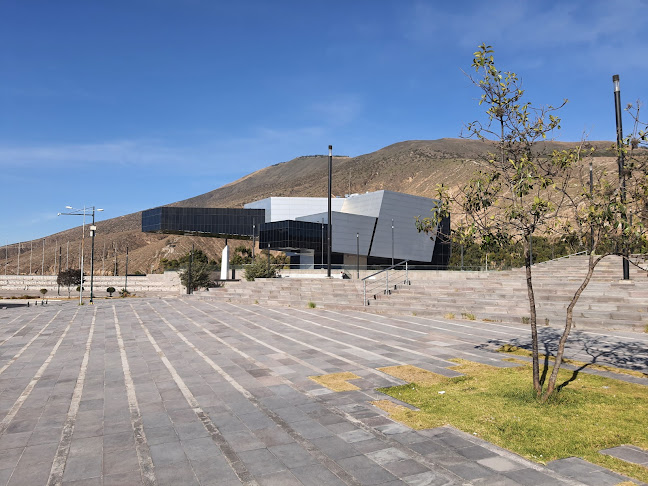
(182,391)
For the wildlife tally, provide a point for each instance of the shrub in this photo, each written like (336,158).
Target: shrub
(124,293)
(43,292)
(468,315)
(260,269)
(312,305)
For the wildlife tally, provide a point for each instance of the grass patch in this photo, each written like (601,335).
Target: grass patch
(508,348)
(312,305)
(449,315)
(498,404)
(337,381)
(468,315)
(413,374)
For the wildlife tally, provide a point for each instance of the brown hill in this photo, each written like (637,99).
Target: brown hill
(413,167)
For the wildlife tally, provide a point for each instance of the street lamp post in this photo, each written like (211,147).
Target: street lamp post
(93,228)
(328,236)
(620,162)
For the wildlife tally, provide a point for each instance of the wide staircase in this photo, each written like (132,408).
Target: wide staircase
(495,295)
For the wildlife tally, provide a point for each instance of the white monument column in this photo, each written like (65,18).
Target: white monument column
(225,263)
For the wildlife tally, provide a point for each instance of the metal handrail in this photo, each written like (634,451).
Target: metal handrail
(379,284)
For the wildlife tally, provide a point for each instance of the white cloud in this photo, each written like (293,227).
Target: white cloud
(338,110)
(588,27)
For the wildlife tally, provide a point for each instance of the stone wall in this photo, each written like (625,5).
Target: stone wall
(168,282)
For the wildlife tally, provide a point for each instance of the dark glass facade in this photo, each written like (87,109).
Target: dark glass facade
(218,222)
(291,235)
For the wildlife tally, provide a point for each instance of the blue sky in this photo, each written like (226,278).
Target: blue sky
(132,104)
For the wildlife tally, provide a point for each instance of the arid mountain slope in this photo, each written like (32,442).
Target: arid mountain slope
(413,167)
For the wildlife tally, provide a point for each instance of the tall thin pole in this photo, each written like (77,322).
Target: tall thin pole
(43,259)
(82,247)
(358,256)
(6,256)
(93,230)
(55,247)
(392,242)
(31,250)
(103,260)
(126,272)
(253,236)
(620,162)
(58,292)
(67,255)
(18,267)
(329,234)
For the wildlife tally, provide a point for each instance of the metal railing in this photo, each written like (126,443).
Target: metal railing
(374,285)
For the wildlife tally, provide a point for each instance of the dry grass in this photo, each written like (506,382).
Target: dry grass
(413,374)
(337,381)
(390,407)
(507,348)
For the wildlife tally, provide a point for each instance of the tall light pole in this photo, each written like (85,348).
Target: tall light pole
(328,246)
(620,162)
(83,212)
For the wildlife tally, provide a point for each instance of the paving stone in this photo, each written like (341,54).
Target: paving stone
(628,454)
(175,474)
(292,455)
(388,455)
(530,477)
(167,453)
(316,475)
(261,461)
(427,479)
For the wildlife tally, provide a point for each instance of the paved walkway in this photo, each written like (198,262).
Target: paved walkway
(184,391)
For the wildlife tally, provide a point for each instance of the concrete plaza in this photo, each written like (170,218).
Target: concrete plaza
(184,391)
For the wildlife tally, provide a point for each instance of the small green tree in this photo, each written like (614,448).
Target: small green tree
(69,278)
(43,292)
(261,267)
(242,255)
(521,191)
(110,290)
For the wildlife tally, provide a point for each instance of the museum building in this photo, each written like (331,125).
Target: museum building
(376,227)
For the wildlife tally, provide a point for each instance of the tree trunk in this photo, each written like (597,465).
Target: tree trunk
(534,329)
(551,386)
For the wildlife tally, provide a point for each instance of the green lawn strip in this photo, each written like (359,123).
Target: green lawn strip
(497,404)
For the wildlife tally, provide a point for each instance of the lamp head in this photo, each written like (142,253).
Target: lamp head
(615,80)
(69,207)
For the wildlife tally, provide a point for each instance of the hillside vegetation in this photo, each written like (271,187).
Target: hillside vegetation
(413,167)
